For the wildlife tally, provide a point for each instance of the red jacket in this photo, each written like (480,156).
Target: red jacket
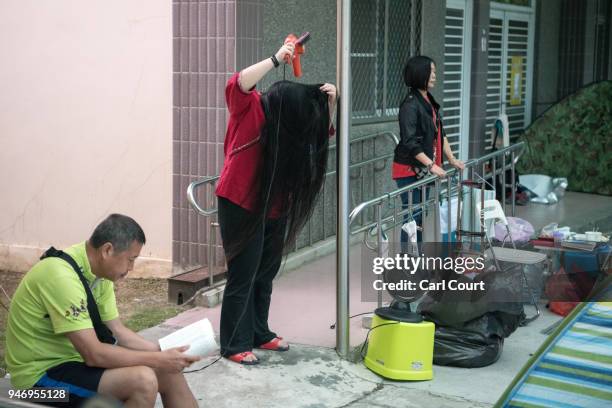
(239,180)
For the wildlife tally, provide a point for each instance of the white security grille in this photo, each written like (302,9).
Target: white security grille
(384,34)
(495,74)
(518,41)
(509,36)
(456,74)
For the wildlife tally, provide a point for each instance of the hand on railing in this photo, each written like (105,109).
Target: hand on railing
(456,163)
(438,171)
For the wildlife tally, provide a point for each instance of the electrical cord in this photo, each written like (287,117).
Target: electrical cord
(333,326)
(263,232)
(368,335)
(365,342)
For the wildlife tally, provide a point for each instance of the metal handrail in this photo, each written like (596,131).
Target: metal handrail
(342,315)
(212,179)
(381,224)
(516,149)
(191,191)
(389,133)
(428,180)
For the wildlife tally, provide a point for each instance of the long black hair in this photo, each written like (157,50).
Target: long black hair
(417,72)
(295,142)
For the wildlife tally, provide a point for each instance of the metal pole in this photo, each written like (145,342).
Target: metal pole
(343,34)
(436,211)
(503,178)
(513,183)
(211,248)
(481,212)
(394,237)
(460,204)
(472,217)
(379,241)
(411,212)
(484,174)
(449,228)
(423,206)
(362,173)
(385,58)
(482,200)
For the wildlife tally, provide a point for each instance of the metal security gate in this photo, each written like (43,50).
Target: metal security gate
(384,34)
(510,67)
(457,63)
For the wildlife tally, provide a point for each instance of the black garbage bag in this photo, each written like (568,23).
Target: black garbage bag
(504,293)
(477,343)
(471,326)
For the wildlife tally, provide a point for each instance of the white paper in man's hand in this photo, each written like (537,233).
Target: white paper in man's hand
(199,336)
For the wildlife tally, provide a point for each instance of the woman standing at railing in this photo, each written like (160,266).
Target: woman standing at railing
(422,137)
(276,149)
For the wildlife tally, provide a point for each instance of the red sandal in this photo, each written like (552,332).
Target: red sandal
(240,358)
(274,345)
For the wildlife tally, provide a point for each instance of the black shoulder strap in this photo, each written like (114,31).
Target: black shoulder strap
(104,334)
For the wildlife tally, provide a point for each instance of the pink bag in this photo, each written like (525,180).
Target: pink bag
(520,229)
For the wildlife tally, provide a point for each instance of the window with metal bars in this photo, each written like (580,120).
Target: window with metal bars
(384,34)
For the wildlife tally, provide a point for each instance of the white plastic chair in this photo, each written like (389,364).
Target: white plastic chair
(492,213)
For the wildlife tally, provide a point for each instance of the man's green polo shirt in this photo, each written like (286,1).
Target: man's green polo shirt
(49,302)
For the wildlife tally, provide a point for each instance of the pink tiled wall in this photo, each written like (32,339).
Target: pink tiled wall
(211,40)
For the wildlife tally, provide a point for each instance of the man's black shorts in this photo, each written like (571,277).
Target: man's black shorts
(82,382)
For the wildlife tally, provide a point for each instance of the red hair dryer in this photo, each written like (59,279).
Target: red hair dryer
(299,50)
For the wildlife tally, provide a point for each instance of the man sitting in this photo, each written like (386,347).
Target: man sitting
(54,339)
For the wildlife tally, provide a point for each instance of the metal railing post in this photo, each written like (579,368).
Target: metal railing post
(449,227)
(459,201)
(211,247)
(423,205)
(379,240)
(343,158)
(503,178)
(513,184)
(436,211)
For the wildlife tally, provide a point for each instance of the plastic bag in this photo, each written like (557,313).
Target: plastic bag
(477,343)
(520,230)
(410,228)
(545,189)
(470,218)
(444,215)
(411,247)
(505,293)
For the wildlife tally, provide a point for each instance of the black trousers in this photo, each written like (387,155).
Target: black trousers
(257,259)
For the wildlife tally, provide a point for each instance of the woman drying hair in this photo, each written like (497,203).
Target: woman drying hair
(275,150)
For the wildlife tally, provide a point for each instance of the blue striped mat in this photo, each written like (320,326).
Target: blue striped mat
(575,369)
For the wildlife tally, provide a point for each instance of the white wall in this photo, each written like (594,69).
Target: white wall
(85,124)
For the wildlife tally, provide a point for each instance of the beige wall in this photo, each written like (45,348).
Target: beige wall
(85,124)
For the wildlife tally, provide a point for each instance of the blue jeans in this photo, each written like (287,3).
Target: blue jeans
(417,215)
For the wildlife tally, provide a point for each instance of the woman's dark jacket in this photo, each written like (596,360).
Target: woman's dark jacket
(417,130)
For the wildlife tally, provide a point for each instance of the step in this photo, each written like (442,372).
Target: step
(183,286)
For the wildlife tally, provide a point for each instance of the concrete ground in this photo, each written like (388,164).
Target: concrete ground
(309,376)
(312,375)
